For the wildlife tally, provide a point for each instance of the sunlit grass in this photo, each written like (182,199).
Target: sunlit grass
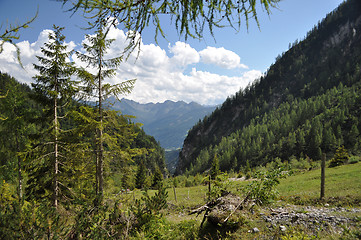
(341,182)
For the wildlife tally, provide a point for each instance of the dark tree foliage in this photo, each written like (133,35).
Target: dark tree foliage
(16,129)
(153,158)
(157,180)
(141,176)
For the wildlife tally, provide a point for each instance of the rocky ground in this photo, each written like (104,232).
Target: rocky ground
(314,219)
(311,220)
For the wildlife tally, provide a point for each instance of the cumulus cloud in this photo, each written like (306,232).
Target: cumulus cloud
(184,54)
(221,57)
(160,73)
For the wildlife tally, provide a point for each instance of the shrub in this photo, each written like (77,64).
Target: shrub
(354,159)
(301,164)
(220,185)
(263,189)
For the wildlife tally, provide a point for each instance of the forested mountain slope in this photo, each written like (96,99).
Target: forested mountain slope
(307,103)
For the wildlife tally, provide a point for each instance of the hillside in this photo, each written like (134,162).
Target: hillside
(168,122)
(285,113)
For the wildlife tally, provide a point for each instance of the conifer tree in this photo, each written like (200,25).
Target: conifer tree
(215,167)
(95,86)
(54,88)
(353,135)
(141,175)
(157,179)
(341,156)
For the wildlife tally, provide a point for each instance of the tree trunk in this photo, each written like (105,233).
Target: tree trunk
(56,153)
(20,178)
(100,135)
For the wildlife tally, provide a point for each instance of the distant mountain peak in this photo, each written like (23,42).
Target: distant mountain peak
(168,122)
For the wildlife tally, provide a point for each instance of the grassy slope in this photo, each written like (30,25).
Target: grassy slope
(343,183)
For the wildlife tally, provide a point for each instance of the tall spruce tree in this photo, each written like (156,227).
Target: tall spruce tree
(95,86)
(53,89)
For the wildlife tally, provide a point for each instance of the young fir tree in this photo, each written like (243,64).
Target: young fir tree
(141,175)
(95,86)
(53,89)
(215,167)
(157,182)
(341,156)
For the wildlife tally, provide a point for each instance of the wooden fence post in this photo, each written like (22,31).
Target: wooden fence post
(209,188)
(175,195)
(323,166)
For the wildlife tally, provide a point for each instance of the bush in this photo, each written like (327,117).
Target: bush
(263,189)
(30,220)
(301,164)
(219,186)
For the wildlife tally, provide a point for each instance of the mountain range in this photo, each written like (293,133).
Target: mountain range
(168,122)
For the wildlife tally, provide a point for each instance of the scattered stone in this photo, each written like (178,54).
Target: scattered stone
(255,230)
(310,217)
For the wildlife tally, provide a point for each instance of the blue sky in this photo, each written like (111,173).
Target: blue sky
(204,71)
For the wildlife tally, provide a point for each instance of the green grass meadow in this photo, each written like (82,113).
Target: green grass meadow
(342,185)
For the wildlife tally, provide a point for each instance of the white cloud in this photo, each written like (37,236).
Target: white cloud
(184,54)
(160,75)
(221,57)
(28,53)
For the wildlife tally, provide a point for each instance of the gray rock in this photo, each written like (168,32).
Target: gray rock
(283,228)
